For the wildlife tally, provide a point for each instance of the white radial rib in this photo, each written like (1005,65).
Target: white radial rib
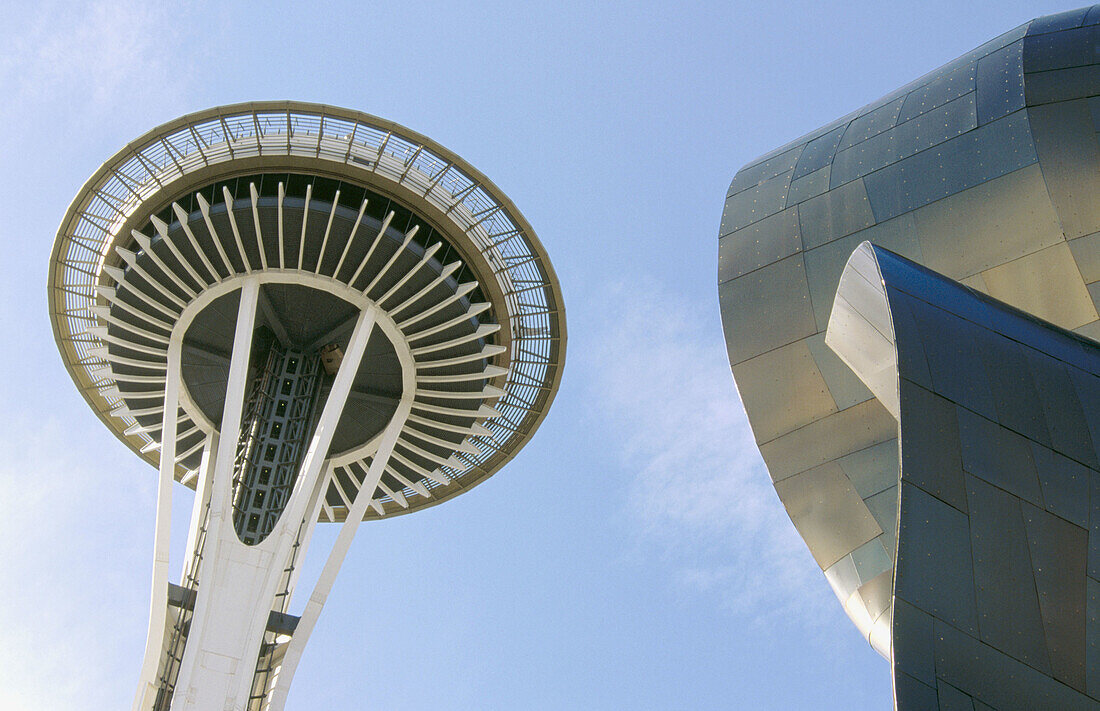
(395,495)
(328,228)
(255,195)
(481,413)
(131,259)
(475,429)
(194,448)
(130,378)
(437,476)
(228,196)
(481,331)
(106,355)
(282,195)
(204,208)
(146,248)
(123,410)
(110,295)
(446,272)
(373,245)
(474,310)
(305,220)
(107,318)
(335,481)
(100,333)
(378,507)
(393,258)
(184,219)
(461,291)
(491,371)
(351,238)
(417,486)
(463,446)
(321,590)
(420,451)
(158,610)
(486,352)
(120,279)
(487,392)
(428,253)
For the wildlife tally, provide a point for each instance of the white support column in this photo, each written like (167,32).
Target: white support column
(220,490)
(202,498)
(238,582)
(162,539)
(339,551)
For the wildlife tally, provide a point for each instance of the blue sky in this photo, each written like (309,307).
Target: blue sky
(634,555)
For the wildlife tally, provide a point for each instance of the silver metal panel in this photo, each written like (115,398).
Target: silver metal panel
(828,511)
(1065,143)
(845,388)
(829,438)
(760,171)
(873,469)
(1086,253)
(806,397)
(755,203)
(1000,83)
(767,308)
(989,224)
(759,244)
(914,650)
(808,186)
(835,214)
(879,119)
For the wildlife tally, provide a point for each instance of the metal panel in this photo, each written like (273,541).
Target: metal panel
(914,651)
(790,374)
(828,512)
(906,139)
(933,566)
(1000,83)
(829,438)
(1086,253)
(951,699)
(765,309)
(996,679)
(986,225)
(808,186)
(758,245)
(938,92)
(762,170)
(818,153)
(845,388)
(998,456)
(1065,484)
(755,203)
(954,360)
(1065,143)
(930,448)
(1058,50)
(1058,551)
(835,214)
(873,469)
(1008,607)
(1065,418)
(912,694)
(872,123)
(992,150)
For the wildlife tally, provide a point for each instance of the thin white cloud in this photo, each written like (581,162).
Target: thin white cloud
(700,493)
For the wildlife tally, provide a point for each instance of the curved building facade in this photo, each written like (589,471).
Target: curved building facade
(986,171)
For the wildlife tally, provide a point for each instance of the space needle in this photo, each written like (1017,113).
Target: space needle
(306,314)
